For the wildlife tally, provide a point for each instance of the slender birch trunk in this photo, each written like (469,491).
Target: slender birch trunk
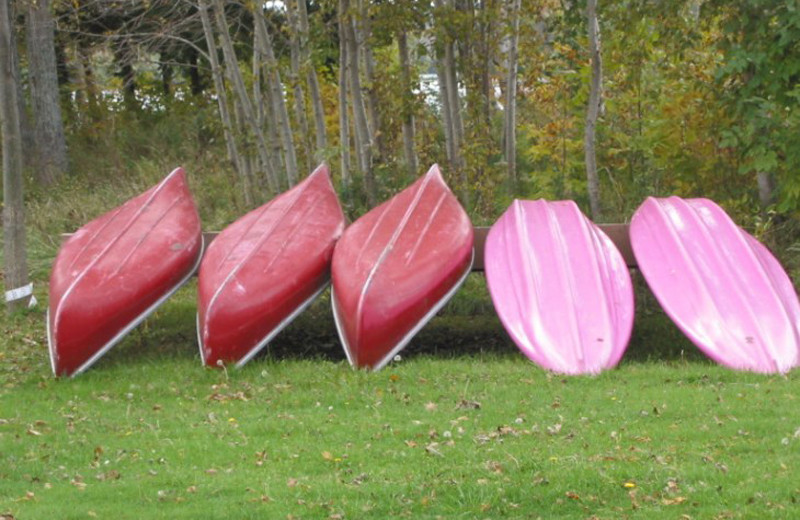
(344,123)
(279,105)
(364,34)
(510,132)
(593,110)
(297,85)
(363,137)
(452,102)
(222,100)
(444,106)
(313,83)
(235,75)
(408,107)
(15,271)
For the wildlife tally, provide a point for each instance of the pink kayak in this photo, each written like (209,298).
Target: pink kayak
(266,268)
(396,266)
(117,269)
(560,287)
(722,287)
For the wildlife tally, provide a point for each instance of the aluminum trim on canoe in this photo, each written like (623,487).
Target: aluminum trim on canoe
(420,324)
(271,335)
(136,321)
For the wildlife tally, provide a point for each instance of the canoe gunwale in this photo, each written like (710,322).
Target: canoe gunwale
(131,325)
(436,307)
(270,335)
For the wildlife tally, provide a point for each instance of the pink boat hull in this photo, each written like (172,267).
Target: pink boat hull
(722,288)
(265,268)
(111,273)
(395,266)
(560,287)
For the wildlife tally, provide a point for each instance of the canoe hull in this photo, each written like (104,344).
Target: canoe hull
(265,268)
(117,269)
(396,266)
(560,287)
(719,285)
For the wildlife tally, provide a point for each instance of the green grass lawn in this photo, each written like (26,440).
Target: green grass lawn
(473,432)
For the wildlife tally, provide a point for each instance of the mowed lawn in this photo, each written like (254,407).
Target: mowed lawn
(149,433)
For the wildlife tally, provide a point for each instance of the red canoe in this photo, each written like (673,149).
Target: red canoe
(114,271)
(396,266)
(266,268)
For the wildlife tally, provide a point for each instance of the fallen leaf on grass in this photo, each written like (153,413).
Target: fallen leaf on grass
(493,466)
(361,478)
(431,449)
(468,405)
(108,475)
(673,501)
(553,430)
(431,407)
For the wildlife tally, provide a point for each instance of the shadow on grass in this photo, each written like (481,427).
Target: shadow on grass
(467,326)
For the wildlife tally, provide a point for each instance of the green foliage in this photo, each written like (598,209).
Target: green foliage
(759,83)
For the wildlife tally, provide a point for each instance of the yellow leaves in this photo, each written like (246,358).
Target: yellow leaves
(629,485)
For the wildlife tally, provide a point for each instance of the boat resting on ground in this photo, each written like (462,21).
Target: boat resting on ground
(264,269)
(117,269)
(719,285)
(396,266)
(560,287)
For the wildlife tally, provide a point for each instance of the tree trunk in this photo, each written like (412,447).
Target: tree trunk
(294,79)
(452,102)
(51,148)
(235,75)
(593,110)
(363,137)
(408,106)
(313,83)
(16,268)
(766,190)
(222,100)
(262,101)
(444,106)
(364,34)
(279,105)
(344,123)
(510,132)
(28,141)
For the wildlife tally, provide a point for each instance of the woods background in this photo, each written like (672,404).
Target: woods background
(605,104)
